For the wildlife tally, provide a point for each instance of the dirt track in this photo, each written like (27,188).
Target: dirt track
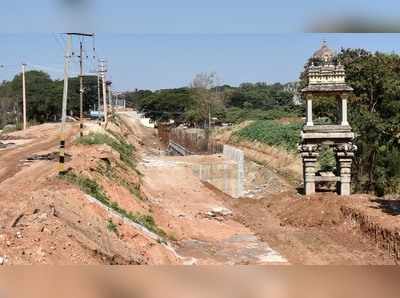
(42,138)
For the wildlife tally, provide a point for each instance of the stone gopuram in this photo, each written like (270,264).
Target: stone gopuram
(327,79)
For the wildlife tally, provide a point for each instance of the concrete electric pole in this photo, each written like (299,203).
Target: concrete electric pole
(81,89)
(68,53)
(67,59)
(98,95)
(109,83)
(23,96)
(103,71)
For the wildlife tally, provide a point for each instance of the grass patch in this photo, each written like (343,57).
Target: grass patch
(93,189)
(132,188)
(118,144)
(272,133)
(112,227)
(106,169)
(237,115)
(88,186)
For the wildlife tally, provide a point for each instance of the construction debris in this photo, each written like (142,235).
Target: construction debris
(6,145)
(10,137)
(16,220)
(48,156)
(218,213)
(3,260)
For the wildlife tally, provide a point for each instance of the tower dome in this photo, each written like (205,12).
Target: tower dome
(324,53)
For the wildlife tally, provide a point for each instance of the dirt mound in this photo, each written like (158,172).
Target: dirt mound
(309,231)
(315,211)
(47,219)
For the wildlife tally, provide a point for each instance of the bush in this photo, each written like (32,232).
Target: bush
(272,133)
(111,226)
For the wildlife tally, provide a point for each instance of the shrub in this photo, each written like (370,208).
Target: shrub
(111,226)
(272,133)
(235,115)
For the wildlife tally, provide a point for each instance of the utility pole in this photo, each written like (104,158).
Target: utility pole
(209,116)
(103,71)
(81,89)
(23,96)
(67,58)
(98,94)
(64,105)
(109,83)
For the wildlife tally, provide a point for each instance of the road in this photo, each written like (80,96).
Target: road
(38,139)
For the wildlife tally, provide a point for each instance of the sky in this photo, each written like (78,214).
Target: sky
(150,61)
(186,16)
(157,44)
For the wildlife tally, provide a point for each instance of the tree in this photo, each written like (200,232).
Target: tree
(165,105)
(44,97)
(207,99)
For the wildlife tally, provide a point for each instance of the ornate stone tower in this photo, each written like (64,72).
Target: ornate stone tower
(327,79)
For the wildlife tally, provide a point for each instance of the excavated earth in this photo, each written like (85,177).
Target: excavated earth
(48,220)
(319,229)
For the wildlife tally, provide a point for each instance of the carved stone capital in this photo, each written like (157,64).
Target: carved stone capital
(309,152)
(345,149)
(344,96)
(308,148)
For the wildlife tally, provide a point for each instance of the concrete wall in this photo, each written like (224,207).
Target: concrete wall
(194,140)
(237,156)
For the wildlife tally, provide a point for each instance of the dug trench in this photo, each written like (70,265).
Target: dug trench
(320,229)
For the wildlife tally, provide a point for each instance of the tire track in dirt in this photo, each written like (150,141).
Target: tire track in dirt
(11,159)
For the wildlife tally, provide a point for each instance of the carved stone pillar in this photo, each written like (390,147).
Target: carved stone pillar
(344,157)
(343,105)
(309,111)
(309,154)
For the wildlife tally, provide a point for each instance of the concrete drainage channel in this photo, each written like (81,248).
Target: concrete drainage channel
(236,250)
(227,174)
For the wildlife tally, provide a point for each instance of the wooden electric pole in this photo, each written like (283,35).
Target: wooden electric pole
(23,96)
